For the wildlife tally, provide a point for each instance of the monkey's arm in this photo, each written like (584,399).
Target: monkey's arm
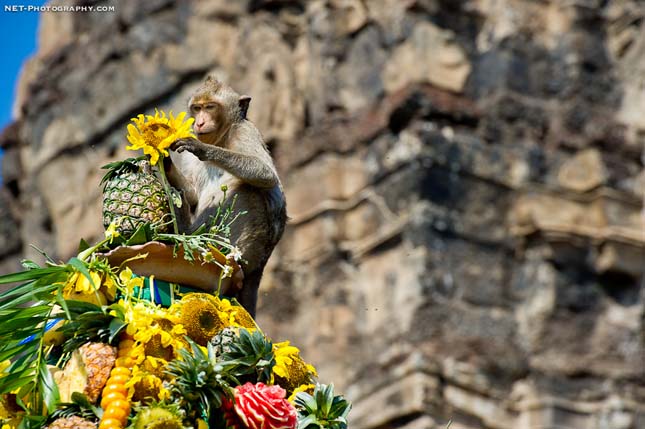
(178,181)
(249,168)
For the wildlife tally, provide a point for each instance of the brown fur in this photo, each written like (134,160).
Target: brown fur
(230,151)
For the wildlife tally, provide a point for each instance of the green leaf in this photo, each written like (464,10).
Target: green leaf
(12,349)
(24,276)
(308,422)
(116,326)
(60,300)
(82,267)
(327,399)
(29,264)
(13,383)
(119,167)
(39,289)
(32,422)
(81,307)
(47,386)
(141,235)
(83,245)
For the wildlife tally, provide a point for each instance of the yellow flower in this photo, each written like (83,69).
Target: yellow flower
(309,388)
(146,387)
(199,314)
(10,417)
(235,315)
(129,281)
(290,371)
(155,134)
(99,288)
(157,334)
(77,282)
(108,287)
(111,233)
(80,288)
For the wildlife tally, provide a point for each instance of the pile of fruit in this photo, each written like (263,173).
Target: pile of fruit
(73,360)
(87,344)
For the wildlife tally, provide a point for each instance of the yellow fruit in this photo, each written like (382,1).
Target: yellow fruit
(116,413)
(125,362)
(120,404)
(110,423)
(120,370)
(86,372)
(111,397)
(109,387)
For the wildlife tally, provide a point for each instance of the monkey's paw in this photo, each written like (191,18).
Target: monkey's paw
(193,146)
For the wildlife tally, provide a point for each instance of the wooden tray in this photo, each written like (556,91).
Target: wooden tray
(161,263)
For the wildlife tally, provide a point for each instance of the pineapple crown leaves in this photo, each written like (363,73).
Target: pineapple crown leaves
(197,384)
(90,323)
(79,406)
(249,357)
(322,409)
(114,169)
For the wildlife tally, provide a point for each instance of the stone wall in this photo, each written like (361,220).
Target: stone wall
(464,180)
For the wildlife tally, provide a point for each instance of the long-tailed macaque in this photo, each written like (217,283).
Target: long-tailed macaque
(229,150)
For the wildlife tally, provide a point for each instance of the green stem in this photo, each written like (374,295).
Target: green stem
(85,254)
(166,187)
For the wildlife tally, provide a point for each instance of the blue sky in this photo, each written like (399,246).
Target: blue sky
(18,31)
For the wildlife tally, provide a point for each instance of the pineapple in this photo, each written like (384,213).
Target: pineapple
(158,416)
(197,384)
(87,371)
(133,196)
(222,341)
(322,409)
(73,422)
(249,357)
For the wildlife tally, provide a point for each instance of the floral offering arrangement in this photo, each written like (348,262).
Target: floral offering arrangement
(107,341)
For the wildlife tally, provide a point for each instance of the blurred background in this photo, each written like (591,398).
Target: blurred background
(464,180)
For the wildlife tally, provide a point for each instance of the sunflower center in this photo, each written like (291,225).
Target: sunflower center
(154,133)
(206,321)
(154,348)
(201,321)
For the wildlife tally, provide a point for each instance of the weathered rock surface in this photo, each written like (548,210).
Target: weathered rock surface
(464,180)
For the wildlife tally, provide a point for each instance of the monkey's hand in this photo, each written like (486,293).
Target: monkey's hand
(194,146)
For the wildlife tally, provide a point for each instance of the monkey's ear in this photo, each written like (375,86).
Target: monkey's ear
(244,101)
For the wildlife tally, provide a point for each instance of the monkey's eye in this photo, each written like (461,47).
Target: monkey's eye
(210,106)
(195,108)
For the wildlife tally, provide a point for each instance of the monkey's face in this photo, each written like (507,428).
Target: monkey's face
(210,119)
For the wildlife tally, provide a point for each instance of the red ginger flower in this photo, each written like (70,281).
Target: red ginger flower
(263,407)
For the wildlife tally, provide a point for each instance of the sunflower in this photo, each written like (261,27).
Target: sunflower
(235,315)
(145,387)
(155,134)
(157,335)
(200,314)
(290,371)
(10,413)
